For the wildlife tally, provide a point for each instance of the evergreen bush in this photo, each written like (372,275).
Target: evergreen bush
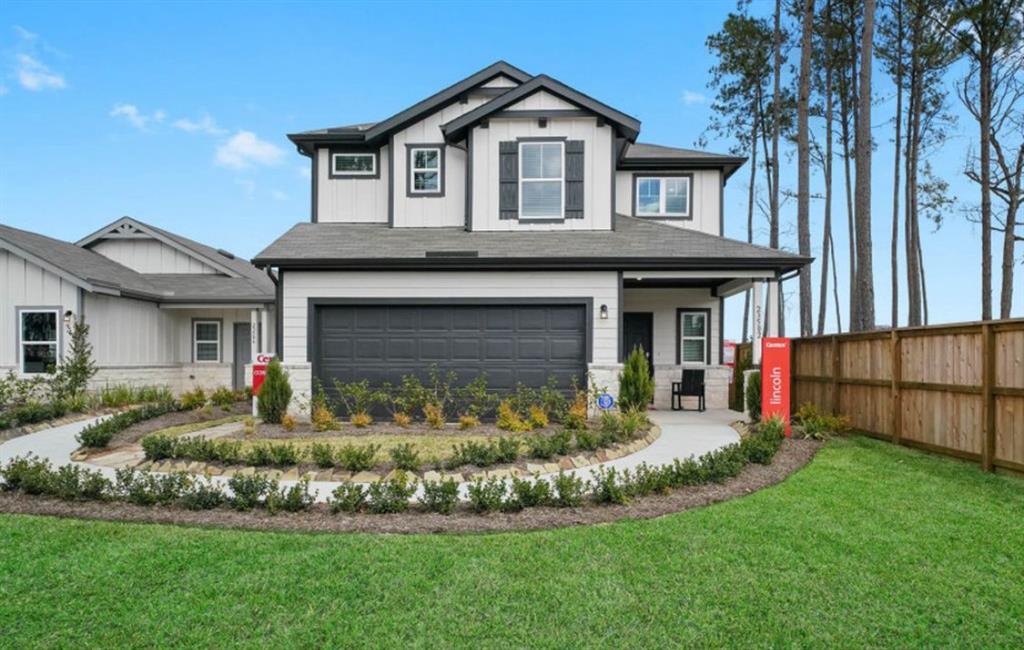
(275,393)
(636,387)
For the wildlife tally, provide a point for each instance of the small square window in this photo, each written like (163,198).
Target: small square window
(206,340)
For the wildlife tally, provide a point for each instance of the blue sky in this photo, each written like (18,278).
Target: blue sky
(177,113)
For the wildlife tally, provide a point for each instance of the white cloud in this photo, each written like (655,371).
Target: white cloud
(34,75)
(278,195)
(205,124)
(690,97)
(136,118)
(245,149)
(24,34)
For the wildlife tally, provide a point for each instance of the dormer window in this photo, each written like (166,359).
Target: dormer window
(664,197)
(426,170)
(353,164)
(541,180)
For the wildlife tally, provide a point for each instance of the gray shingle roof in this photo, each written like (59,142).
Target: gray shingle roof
(643,150)
(635,243)
(100,272)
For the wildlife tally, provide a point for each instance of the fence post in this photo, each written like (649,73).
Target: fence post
(988,368)
(896,394)
(834,393)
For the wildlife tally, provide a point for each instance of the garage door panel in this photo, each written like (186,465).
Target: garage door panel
(511,344)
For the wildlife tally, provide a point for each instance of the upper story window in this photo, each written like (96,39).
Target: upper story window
(662,196)
(541,180)
(37,340)
(426,170)
(353,164)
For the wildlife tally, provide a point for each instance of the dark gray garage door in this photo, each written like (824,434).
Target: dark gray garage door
(511,343)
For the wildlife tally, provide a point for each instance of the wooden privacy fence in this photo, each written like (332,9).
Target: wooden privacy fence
(952,389)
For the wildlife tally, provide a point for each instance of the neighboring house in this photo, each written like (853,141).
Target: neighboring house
(512,225)
(162,309)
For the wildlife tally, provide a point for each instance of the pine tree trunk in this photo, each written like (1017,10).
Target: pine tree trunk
(865,274)
(913,139)
(986,62)
(803,211)
(776,98)
(847,112)
(826,237)
(754,124)
(895,241)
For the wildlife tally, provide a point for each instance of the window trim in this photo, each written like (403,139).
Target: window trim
(220,339)
(334,153)
(520,180)
(20,351)
(410,149)
(706,312)
(682,216)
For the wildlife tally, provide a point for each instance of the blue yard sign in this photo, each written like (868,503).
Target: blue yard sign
(605,401)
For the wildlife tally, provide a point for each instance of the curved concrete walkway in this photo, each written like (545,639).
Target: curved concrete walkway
(683,434)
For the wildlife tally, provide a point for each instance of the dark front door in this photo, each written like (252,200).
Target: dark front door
(242,355)
(638,331)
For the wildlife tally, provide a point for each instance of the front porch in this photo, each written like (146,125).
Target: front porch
(678,318)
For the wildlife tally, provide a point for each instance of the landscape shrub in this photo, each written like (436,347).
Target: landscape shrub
(510,420)
(283,454)
(537,418)
(760,447)
(410,397)
(250,491)
(99,434)
(554,401)
(225,398)
(357,458)
(636,387)
(73,483)
(347,497)
(402,419)
(433,415)
(819,426)
(76,367)
(505,449)
(288,422)
(539,446)
(148,489)
(467,421)
(360,420)
(275,393)
(569,490)
(405,456)
(487,495)
(30,474)
(260,455)
(607,488)
(752,393)
(439,390)
(474,400)
(587,440)
(645,480)
(193,399)
(440,496)
(390,495)
(289,499)
(358,400)
(471,452)
(203,495)
(723,463)
(322,454)
(575,418)
(529,494)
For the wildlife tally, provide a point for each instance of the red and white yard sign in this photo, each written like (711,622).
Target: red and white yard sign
(259,371)
(775,379)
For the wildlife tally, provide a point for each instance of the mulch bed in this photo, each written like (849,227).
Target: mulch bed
(138,431)
(303,430)
(793,455)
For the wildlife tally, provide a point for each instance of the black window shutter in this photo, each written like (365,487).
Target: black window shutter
(574,179)
(508,180)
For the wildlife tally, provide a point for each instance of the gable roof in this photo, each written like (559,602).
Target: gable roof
(628,126)
(97,273)
(640,156)
(635,244)
(376,131)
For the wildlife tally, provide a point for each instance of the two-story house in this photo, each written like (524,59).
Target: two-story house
(510,225)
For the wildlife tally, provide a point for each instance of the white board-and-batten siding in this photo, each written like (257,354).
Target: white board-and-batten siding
(351,200)
(705,205)
(150,256)
(24,284)
(301,286)
(663,304)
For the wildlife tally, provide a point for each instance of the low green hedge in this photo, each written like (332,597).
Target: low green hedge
(609,485)
(98,434)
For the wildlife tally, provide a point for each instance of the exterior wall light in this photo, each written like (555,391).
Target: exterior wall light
(604,312)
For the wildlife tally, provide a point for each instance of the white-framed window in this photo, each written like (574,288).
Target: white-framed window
(663,196)
(38,340)
(693,337)
(206,340)
(425,170)
(354,164)
(542,180)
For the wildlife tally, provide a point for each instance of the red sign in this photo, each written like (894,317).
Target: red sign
(259,372)
(775,379)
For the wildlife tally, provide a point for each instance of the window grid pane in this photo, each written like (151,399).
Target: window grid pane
(426,159)
(542,160)
(424,181)
(542,199)
(38,357)
(693,350)
(206,351)
(207,332)
(354,163)
(648,195)
(676,190)
(39,326)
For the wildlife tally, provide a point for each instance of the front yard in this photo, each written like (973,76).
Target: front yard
(870,545)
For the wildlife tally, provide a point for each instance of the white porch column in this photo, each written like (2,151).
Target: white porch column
(757,326)
(254,335)
(264,330)
(773,308)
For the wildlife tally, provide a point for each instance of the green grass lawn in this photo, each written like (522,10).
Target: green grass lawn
(870,545)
